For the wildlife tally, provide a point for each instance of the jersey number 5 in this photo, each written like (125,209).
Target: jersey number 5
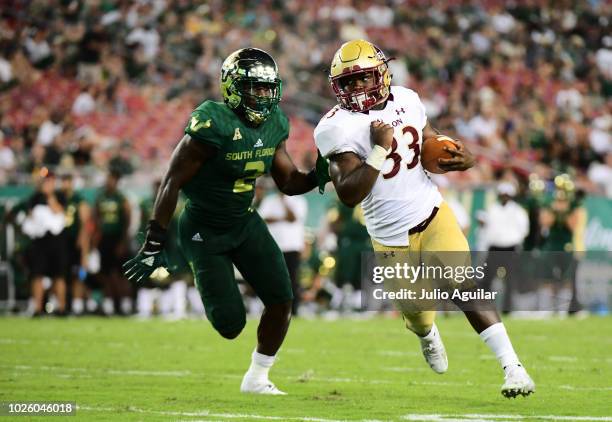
(397,159)
(246,183)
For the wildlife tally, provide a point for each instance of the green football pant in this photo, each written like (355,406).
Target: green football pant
(250,247)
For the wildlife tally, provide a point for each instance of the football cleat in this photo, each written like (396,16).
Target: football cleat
(434,351)
(252,386)
(517,381)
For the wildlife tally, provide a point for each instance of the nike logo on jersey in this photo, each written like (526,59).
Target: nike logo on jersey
(197,238)
(195,124)
(258,144)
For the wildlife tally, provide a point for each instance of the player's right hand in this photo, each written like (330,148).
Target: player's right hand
(151,255)
(381,134)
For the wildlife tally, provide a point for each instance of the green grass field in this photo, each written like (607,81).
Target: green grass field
(124,369)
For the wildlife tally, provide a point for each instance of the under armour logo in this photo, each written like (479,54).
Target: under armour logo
(389,254)
(148,261)
(400,110)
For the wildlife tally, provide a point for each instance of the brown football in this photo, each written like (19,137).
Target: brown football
(433,149)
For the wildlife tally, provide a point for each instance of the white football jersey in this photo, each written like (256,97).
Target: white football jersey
(403,195)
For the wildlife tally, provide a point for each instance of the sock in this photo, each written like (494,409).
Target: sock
(195,302)
(144,302)
(179,293)
(498,341)
(433,333)
(108,306)
(78,305)
(260,366)
(126,305)
(563,299)
(165,302)
(91,305)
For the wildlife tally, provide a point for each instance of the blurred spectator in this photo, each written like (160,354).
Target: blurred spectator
(285,216)
(121,162)
(449,196)
(148,38)
(601,174)
(46,255)
(505,227)
(77,234)
(50,128)
(562,224)
(352,239)
(8,163)
(37,48)
(112,212)
(527,81)
(85,102)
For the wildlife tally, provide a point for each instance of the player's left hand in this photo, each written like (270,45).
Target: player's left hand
(462,159)
(150,257)
(322,172)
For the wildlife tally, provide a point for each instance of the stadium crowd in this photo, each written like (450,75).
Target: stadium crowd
(99,86)
(86,82)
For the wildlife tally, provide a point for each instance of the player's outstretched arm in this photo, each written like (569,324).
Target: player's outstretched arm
(185,162)
(289,179)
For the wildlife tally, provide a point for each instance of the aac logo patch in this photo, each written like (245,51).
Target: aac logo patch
(237,135)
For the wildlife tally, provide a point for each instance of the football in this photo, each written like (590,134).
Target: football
(433,149)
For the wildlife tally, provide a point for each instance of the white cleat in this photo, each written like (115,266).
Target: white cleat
(517,381)
(252,386)
(434,351)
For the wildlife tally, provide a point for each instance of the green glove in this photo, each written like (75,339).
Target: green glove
(151,255)
(322,172)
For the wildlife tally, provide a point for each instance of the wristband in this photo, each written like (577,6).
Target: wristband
(156,233)
(377,157)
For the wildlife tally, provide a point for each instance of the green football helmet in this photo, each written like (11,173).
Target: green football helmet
(250,84)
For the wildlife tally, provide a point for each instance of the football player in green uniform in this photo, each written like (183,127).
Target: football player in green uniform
(225,148)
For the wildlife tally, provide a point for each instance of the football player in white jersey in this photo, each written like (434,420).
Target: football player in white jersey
(372,140)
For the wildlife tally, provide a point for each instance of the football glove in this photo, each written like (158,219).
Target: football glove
(322,172)
(151,255)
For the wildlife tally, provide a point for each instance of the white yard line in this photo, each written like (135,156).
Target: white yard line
(563,358)
(396,353)
(474,417)
(470,417)
(208,414)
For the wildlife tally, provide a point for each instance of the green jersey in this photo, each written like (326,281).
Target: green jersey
(111,212)
(221,193)
(73,221)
